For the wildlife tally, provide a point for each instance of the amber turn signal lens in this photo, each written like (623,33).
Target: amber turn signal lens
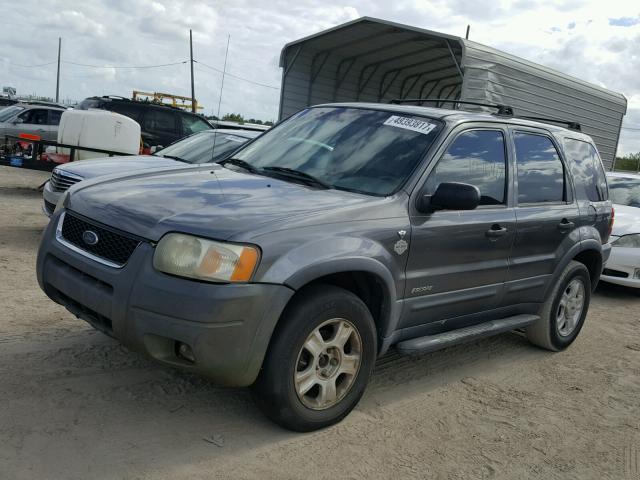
(246,265)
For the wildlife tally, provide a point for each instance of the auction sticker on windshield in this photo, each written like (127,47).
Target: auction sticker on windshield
(408,123)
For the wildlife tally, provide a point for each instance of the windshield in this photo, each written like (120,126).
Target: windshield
(7,113)
(367,151)
(199,148)
(625,191)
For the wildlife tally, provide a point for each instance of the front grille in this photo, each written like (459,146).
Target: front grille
(61,181)
(49,207)
(112,245)
(609,272)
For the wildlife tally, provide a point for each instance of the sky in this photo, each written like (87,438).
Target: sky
(596,41)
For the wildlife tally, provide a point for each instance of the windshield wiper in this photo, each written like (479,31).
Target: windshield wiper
(172,157)
(240,163)
(298,175)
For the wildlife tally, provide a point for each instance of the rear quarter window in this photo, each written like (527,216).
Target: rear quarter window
(588,172)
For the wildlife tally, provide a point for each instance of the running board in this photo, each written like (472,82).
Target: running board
(431,343)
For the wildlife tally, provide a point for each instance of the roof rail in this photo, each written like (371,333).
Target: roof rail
(502,109)
(570,125)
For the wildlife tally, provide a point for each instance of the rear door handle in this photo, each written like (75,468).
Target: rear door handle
(496,231)
(565,225)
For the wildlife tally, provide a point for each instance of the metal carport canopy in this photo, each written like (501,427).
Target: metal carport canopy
(373,60)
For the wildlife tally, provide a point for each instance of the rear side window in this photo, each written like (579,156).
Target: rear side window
(476,157)
(54,117)
(128,110)
(157,120)
(588,174)
(541,176)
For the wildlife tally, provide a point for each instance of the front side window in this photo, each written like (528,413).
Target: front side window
(34,117)
(540,171)
(588,174)
(192,124)
(355,149)
(476,157)
(625,191)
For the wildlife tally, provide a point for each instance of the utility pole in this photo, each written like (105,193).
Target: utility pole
(224,71)
(467,35)
(194,108)
(58,76)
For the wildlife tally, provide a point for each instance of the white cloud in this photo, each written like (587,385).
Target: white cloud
(593,40)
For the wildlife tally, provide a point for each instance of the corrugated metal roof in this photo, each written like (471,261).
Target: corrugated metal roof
(374,60)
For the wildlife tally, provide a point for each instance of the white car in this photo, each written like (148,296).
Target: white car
(623,266)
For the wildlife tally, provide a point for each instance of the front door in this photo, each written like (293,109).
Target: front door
(458,260)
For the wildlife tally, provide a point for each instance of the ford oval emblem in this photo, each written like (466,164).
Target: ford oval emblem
(89,237)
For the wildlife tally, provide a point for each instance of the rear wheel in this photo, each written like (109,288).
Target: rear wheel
(564,312)
(320,360)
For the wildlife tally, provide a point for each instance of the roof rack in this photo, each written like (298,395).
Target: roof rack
(570,125)
(502,109)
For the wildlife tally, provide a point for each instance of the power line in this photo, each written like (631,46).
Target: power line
(236,76)
(631,128)
(32,66)
(124,66)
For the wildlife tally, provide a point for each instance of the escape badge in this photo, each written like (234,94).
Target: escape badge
(401,245)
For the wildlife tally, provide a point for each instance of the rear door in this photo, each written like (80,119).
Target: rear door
(53,122)
(547,215)
(458,260)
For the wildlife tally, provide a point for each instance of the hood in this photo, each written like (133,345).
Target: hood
(210,201)
(627,220)
(96,167)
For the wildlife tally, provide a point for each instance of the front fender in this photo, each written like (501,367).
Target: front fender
(312,260)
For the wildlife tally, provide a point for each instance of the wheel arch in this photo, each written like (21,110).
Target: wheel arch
(366,278)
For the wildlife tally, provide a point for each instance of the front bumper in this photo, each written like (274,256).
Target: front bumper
(623,267)
(228,327)
(49,199)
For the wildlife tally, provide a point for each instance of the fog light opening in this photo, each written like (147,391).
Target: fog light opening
(185,352)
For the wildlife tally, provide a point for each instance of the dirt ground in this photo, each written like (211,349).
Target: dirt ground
(74,404)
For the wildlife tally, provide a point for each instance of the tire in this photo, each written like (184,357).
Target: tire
(325,310)
(557,329)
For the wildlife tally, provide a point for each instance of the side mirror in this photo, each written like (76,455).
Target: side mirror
(450,196)
(155,148)
(18,120)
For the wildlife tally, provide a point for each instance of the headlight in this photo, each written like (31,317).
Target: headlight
(627,241)
(194,257)
(62,202)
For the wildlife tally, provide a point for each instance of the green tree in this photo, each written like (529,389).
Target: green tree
(233,117)
(629,163)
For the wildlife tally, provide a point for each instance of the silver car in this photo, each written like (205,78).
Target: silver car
(202,147)
(34,119)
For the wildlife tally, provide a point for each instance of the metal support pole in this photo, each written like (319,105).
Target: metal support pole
(467,35)
(193,94)
(58,75)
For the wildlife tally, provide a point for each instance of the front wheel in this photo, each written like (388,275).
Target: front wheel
(319,361)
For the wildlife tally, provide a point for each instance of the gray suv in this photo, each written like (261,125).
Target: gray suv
(345,230)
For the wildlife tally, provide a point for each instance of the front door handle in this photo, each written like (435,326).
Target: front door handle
(565,225)
(496,231)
